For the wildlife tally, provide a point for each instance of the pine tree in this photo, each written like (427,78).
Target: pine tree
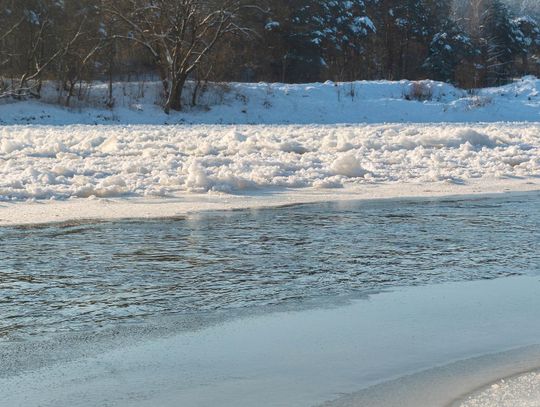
(293,55)
(500,42)
(339,29)
(529,42)
(447,50)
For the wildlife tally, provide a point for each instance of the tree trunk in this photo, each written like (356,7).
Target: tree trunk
(70,92)
(110,102)
(195,92)
(164,76)
(174,101)
(525,67)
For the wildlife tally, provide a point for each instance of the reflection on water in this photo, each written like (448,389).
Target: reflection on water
(86,276)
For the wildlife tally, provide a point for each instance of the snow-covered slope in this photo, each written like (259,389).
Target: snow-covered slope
(326,103)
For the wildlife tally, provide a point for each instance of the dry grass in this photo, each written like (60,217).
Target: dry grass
(476,102)
(419,91)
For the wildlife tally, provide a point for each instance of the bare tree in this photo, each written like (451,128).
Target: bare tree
(178,34)
(36,43)
(5,52)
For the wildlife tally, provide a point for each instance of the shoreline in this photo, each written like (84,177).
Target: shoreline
(485,390)
(473,377)
(115,209)
(443,353)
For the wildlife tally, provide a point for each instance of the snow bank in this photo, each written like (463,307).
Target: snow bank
(47,162)
(263,103)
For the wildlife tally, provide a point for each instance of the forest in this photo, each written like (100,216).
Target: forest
(469,43)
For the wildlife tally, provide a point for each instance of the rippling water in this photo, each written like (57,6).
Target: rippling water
(74,276)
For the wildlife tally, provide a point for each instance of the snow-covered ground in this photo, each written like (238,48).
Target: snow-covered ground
(420,346)
(262,103)
(113,161)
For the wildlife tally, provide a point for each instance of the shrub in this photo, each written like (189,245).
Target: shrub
(476,102)
(419,91)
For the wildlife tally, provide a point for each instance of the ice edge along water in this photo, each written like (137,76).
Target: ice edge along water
(306,357)
(154,171)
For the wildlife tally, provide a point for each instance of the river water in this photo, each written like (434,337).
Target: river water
(88,276)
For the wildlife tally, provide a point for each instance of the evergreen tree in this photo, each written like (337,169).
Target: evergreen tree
(405,32)
(500,42)
(529,42)
(448,49)
(340,28)
(294,56)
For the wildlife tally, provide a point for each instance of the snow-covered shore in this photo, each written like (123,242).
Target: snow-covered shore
(123,168)
(264,103)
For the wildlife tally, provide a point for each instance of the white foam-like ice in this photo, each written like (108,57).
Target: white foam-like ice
(47,162)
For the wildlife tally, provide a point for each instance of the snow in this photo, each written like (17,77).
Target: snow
(450,339)
(256,145)
(310,139)
(52,153)
(263,103)
(250,144)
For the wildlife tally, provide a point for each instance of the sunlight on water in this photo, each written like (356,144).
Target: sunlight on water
(73,277)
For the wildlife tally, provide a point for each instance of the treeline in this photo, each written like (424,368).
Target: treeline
(471,43)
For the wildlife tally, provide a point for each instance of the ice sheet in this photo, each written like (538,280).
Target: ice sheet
(303,358)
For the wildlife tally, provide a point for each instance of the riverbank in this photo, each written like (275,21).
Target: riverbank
(382,101)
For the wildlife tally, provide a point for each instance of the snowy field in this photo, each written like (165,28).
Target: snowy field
(86,161)
(233,165)
(253,145)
